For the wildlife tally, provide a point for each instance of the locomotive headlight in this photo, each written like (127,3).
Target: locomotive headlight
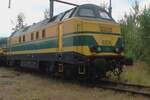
(96,49)
(120,45)
(118,50)
(99,49)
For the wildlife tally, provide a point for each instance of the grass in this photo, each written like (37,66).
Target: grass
(138,74)
(27,86)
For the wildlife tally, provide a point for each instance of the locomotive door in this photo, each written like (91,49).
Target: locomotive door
(60,32)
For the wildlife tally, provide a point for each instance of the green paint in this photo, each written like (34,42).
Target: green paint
(36,45)
(67,41)
(79,41)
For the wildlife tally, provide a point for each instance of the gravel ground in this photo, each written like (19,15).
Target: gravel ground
(27,86)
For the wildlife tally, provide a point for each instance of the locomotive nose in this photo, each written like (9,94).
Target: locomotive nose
(112,44)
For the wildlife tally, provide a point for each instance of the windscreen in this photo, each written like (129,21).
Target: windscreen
(92,11)
(85,12)
(104,15)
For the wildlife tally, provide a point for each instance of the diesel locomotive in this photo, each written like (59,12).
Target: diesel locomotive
(82,42)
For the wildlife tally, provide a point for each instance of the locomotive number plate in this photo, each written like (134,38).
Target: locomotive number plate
(106,42)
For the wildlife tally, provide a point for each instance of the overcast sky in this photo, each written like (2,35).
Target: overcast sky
(33,10)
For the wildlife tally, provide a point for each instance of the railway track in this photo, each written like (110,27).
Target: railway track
(124,87)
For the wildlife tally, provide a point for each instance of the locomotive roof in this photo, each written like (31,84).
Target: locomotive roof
(58,17)
(30,28)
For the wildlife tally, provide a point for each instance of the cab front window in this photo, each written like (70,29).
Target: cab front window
(104,15)
(85,12)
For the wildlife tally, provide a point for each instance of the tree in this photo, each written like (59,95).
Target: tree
(46,13)
(135,28)
(20,21)
(104,5)
(130,31)
(144,21)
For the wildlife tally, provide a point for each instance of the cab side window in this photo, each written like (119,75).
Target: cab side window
(37,35)
(19,39)
(32,36)
(24,38)
(43,33)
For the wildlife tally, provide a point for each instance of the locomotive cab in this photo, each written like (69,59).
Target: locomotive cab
(94,32)
(94,38)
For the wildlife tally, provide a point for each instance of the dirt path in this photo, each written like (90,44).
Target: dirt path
(25,86)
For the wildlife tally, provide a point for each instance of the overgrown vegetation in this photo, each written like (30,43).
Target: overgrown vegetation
(136,30)
(19,22)
(137,74)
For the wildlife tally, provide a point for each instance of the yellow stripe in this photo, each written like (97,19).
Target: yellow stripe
(84,50)
(39,51)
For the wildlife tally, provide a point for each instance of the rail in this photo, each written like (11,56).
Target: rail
(125,87)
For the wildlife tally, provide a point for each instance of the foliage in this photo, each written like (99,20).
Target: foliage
(20,22)
(131,74)
(135,27)
(144,20)
(104,5)
(46,13)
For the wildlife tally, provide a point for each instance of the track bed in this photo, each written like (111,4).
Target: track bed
(30,85)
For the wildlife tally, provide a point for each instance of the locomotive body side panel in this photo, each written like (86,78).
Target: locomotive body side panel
(78,40)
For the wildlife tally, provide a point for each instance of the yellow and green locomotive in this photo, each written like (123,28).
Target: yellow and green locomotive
(84,41)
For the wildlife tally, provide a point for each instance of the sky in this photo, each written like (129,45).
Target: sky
(33,10)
